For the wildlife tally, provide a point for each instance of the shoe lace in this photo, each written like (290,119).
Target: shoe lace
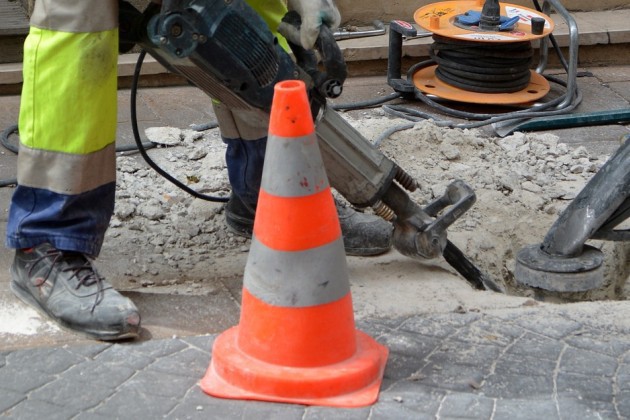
(84,272)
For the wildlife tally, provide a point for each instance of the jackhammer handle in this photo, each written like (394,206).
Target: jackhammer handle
(460,196)
(333,62)
(329,82)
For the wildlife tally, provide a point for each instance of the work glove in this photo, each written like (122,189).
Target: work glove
(314,14)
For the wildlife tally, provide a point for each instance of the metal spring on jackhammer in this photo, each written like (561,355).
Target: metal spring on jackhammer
(382,210)
(405,180)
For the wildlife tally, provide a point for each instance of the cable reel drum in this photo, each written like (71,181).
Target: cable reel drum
(482,52)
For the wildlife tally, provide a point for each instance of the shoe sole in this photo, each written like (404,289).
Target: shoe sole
(365,252)
(26,297)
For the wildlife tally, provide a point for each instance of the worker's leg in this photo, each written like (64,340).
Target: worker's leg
(66,168)
(246,136)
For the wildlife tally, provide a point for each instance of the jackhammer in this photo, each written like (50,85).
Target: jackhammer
(226,50)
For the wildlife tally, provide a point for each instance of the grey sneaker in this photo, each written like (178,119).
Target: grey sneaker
(65,287)
(363,234)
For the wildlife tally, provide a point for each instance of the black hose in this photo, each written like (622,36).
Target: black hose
(366,104)
(4,138)
(141,149)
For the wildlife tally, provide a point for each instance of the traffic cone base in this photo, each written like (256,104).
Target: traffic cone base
(354,382)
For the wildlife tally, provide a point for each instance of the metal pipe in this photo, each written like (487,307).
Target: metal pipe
(379,29)
(573,51)
(593,206)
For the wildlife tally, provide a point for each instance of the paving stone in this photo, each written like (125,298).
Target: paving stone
(623,377)
(598,342)
(440,326)
(135,404)
(326,413)
(406,354)
(414,393)
(536,346)
(587,363)
(66,392)
(189,362)
(585,387)
(400,367)
(21,379)
(554,327)
(158,348)
(91,416)
(466,406)
(43,359)
(279,411)
(122,355)
(511,364)
(9,399)
(35,409)
(88,351)
(489,331)
(457,366)
(160,383)
(393,410)
(375,327)
(517,386)
(451,352)
(202,342)
(514,409)
(107,374)
(453,377)
(408,344)
(623,404)
(576,408)
(196,405)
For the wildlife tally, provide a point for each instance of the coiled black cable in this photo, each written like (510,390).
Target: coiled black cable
(481,66)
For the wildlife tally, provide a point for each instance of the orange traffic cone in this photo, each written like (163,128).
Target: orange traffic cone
(296,341)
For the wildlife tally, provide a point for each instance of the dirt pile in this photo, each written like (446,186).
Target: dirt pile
(522,183)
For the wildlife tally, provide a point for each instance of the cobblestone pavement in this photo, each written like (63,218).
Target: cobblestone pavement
(525,363)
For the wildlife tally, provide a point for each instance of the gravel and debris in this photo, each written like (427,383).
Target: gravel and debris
(522,183)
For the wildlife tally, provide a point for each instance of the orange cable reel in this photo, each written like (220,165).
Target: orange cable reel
(444,19)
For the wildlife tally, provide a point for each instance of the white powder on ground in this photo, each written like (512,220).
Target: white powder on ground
(19,319)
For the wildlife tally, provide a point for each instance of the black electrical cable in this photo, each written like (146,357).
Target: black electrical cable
(481,66)
(535,111)
(4,138)
(141,149)
(366,104)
